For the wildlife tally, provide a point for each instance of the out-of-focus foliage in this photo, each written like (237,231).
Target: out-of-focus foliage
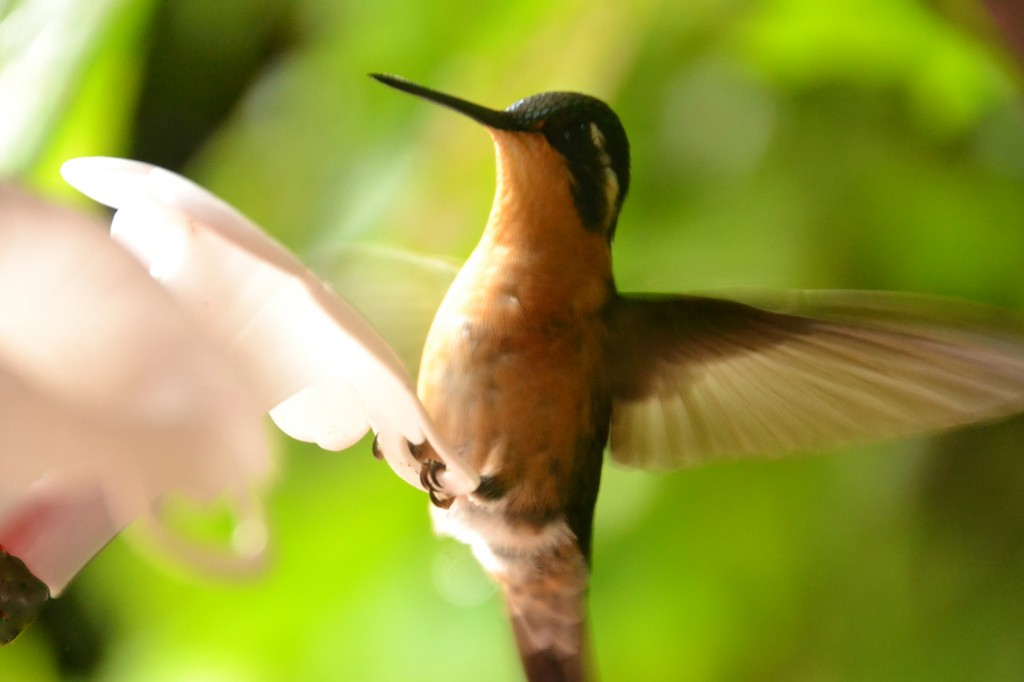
(784,143)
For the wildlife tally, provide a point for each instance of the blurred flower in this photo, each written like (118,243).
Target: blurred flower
(119,391)
(321,370)
(110,400)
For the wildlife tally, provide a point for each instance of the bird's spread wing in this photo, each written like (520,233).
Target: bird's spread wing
(320,368)
(698,379)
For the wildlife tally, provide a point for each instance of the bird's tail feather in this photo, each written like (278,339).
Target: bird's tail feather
(546,598)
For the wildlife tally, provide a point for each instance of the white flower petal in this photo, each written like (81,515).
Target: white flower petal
(56,530)
(299,341)
(110,397)
(320,404)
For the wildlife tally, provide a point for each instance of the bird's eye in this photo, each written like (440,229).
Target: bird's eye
(576,134)
(579,140)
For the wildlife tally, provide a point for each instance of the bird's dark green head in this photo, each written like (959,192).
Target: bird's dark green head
(583,129)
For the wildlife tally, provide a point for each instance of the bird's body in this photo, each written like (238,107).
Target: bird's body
(512,375)
(535,363)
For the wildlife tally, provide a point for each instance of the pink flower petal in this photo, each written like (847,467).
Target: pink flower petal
(295,337)
(111,399)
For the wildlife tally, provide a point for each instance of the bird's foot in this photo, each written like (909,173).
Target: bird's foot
(431,472)
(429,479)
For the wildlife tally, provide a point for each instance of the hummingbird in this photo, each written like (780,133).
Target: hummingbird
(535,364)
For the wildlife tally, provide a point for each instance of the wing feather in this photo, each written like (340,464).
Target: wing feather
(698,379)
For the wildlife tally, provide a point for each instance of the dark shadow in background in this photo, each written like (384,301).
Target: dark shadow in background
(202,57)
(190,82)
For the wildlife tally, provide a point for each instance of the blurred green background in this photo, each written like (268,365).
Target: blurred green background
(784,143)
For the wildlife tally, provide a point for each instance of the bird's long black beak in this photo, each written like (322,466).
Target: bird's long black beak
(492,118)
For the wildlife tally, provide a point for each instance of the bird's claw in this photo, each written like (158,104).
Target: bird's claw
(430,472)
(428,478)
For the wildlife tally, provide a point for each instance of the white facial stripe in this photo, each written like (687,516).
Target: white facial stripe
(611,180)
(597,137)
